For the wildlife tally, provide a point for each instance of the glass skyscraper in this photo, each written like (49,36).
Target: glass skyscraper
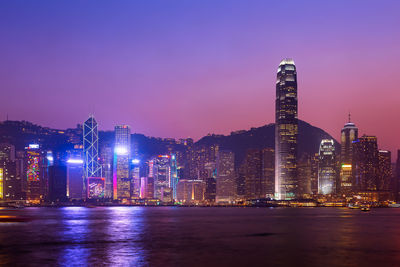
(349,134)
(92,166)
(327,167)
(122,155)
(286,131)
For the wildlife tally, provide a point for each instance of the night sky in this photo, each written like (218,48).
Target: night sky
(188,68)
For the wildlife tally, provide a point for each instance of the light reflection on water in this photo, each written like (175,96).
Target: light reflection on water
(170,236)
(102,236)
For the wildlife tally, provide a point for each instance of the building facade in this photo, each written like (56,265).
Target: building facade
(327,167)
(349,134)
(121,172)
(92,167)
(286,131)
(225,182)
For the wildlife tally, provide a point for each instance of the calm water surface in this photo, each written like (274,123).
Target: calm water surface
(173,236)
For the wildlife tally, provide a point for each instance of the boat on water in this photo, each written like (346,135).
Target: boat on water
(365,208)
(394,205)
(353,206)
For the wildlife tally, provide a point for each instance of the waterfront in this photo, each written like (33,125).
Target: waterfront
(173,236)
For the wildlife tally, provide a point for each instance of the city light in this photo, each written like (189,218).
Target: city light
(121,150)
(75,161)
(33,146)
(135,161)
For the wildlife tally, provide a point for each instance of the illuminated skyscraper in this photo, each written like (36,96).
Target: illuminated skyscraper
(75,175)
(35,173)
(174,175)
(226,182)
(10,183)
(162,174)
(91,150)
(385,170)
(347,180)
(327,167)
(366,163)
(286,131)
(122,152)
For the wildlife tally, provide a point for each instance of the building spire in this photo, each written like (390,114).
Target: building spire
(349,117)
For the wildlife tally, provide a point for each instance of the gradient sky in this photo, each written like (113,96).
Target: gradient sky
(174,68)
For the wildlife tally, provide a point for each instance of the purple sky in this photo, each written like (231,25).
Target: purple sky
(187,68)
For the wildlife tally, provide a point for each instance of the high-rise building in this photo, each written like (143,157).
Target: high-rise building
(106,157)
(252,169)
(57,183)
(10,182)
(35,173)
(174,175)
(304,172)
(162,174)
(122,152)
(327,167)
(91,150)
(191,191)
(347,180)
(268,173)
(211,182)
(366,163)
(75,177)
(286,131)
(226,188)
(397,177)
(385,170)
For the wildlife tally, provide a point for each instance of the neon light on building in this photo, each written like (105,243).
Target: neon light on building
(96,187)
(32,172)
(1,184)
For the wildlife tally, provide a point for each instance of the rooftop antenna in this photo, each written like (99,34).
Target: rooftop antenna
(349,117)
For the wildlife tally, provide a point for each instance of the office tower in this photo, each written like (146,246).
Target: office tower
(35,173)
(397,177)
(226,188)
(347,180)
(122,152)
(10,183)
(327,167)
(211,182)
(268,173)
(162,174)
(95,187)
(135,179)
(314,160)
(174,175)
(57,183)
(286,131)
(106,159)
(191,191)
(385,170)
(143,187)
(252,167)
(166,195)
(366,163)
(304,172)
(91,150)
(200,156)
(150,179)
(75,177)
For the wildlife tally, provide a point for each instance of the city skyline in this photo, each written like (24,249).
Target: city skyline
(230,83)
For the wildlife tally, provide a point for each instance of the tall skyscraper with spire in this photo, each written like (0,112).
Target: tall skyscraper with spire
(286,131)
(349,134)
(92,167)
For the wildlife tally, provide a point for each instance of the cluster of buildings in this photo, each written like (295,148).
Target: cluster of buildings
(116,171)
